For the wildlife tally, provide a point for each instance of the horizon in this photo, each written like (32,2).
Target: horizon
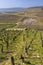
(21,7)
(20,4)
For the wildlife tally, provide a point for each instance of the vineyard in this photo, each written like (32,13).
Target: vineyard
(21,47)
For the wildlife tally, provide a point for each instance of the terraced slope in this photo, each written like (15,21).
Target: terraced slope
(25,49)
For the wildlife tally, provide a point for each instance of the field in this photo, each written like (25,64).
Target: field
(25,47)
(21,37)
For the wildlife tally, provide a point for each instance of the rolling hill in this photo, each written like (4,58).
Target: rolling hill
(13,15)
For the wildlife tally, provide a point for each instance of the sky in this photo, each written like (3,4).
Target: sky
(20,3)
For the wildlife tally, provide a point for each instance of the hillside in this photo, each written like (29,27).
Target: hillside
(21,37)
